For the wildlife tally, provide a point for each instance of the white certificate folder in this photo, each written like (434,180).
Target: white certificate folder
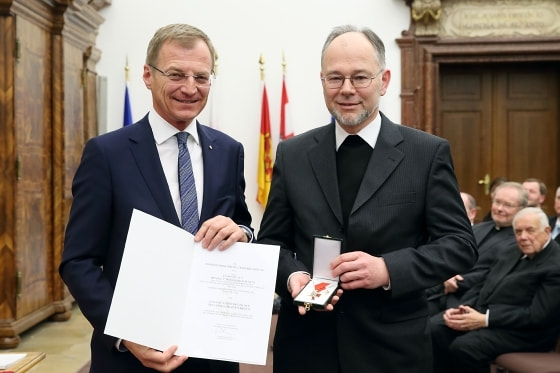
(211,304)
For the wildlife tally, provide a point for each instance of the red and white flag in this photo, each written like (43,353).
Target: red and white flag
(286,125)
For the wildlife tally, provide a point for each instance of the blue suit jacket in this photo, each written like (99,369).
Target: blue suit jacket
(120,171)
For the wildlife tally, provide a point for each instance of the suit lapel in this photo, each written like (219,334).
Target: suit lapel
(384,159)
(528,266)
(322,157)
(147,160)
(482,230)
(513,257)
(211,155)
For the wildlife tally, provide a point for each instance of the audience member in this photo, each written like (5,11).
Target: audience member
(536,190)
(555,219)
(493,185)
(492,237)
(141,166)
(470,206)
(390,193)
(516,309)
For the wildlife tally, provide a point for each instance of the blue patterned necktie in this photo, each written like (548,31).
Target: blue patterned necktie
(187,188)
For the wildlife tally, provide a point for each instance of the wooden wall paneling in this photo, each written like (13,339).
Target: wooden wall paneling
(7,179)
(449,38)
(28,222)
(48,111)
(33,150)
(75,42)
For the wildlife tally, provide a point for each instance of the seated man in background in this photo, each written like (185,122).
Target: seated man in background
(491,237)
(470,206)
(536,190)
(555,219)
(515,309)
(492,187)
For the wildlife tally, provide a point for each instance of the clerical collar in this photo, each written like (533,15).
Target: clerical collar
(369,133)
(544,247)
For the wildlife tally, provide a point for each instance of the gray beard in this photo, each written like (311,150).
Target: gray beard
(350,122)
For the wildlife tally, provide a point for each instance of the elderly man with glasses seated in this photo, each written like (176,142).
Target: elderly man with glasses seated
(492,237)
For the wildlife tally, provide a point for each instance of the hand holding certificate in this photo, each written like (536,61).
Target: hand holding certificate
(211,304)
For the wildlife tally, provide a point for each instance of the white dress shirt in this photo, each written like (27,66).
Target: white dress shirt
(556,228)
(166,143)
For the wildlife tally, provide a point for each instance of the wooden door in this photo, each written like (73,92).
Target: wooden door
(33,148)
(501,120)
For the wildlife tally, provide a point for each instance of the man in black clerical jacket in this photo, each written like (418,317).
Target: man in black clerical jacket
(492,237)
(516,308)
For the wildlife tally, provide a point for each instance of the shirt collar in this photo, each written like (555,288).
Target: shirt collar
(544,247)
(163,130)
(369,133)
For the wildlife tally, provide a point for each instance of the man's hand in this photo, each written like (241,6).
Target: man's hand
(464,319)
(221,232)
(298,282)
(359,270)
(164,361)
(452,285)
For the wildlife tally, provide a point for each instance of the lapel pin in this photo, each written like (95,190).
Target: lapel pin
(210,147)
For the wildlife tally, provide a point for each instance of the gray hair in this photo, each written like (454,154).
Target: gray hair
(375,40)
(523,195)
(543,219)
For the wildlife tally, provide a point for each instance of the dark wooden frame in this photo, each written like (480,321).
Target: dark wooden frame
(422,56)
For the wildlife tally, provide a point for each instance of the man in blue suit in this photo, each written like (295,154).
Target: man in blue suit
(137,167)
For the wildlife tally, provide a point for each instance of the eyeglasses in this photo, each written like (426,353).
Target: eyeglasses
(506,205)
(335,81)
(200,80)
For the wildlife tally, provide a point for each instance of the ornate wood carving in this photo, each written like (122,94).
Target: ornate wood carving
(427,13)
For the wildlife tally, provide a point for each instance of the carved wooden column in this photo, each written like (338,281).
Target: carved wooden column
(75,116)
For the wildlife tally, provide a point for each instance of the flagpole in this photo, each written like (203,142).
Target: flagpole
(126,69)
(127,116)
(286,129)
(215,64)
(212,116)
(261,63)
(264,168)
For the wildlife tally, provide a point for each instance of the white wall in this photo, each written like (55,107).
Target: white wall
(241,30)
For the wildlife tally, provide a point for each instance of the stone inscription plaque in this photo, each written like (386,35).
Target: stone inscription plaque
(483,18)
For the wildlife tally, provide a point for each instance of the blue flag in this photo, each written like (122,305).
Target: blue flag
(127,111)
